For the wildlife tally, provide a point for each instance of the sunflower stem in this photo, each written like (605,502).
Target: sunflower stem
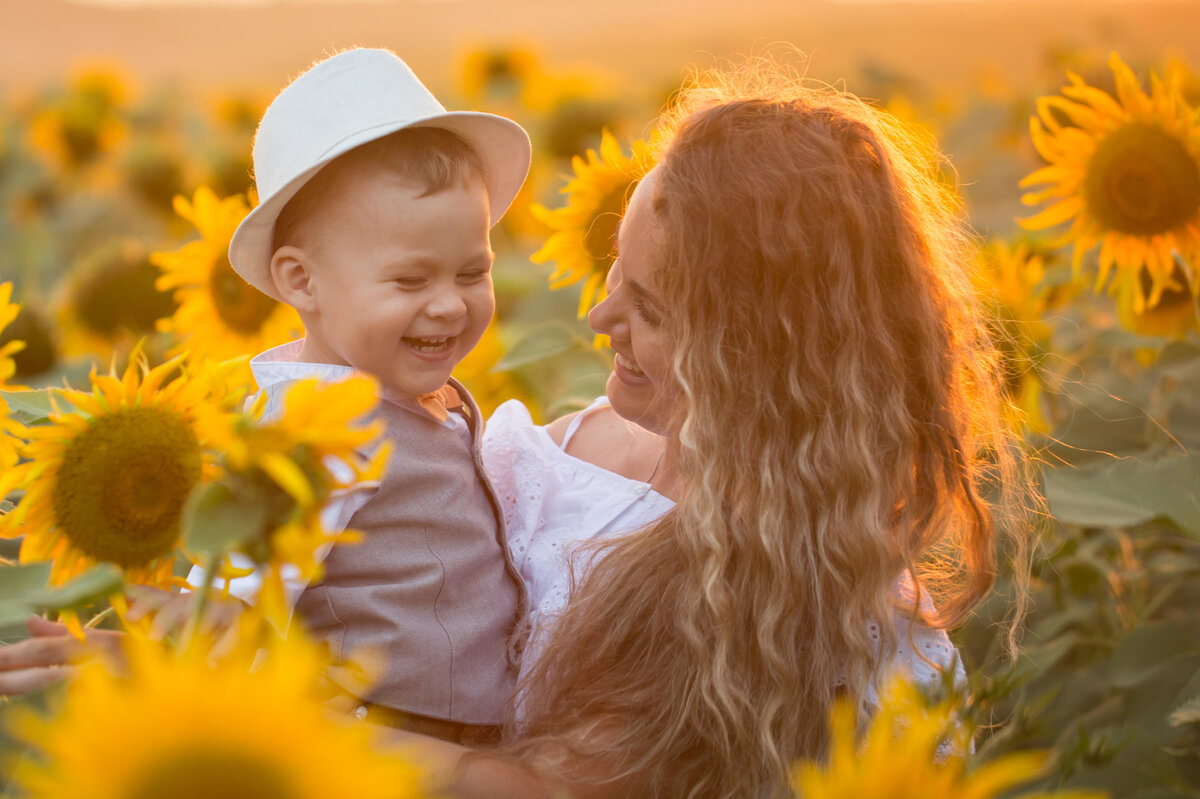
(200,602)
(94,621)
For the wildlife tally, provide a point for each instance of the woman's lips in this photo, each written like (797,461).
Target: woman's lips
(628,371)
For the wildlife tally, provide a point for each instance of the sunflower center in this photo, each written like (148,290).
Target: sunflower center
(1142,180)
(206,772)
(121,295)
(122,484)
(241,306)
(81,135)
(599,239)
(40,354)
(500,69)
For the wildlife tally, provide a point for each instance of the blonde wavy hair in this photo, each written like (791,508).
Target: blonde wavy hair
(839,417)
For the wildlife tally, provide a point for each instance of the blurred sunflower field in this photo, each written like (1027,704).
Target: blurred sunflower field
(128,452)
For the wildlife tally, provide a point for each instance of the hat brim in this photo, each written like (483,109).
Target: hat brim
(504,152)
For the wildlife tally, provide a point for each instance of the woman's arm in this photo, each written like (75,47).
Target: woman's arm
(464,773)
(470,774)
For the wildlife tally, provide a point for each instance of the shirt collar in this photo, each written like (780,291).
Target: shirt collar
(282,364)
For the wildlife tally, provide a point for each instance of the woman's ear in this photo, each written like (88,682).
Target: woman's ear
(293,278)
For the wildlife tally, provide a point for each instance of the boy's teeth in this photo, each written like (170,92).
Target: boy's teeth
(429,344)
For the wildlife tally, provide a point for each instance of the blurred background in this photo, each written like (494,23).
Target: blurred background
(125,133)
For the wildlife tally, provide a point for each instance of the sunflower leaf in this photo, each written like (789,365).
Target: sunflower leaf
(33,406)
(25,590)
(1128,492)
(218,519)
(539,343)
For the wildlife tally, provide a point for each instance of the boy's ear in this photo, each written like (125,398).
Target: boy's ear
(293,281)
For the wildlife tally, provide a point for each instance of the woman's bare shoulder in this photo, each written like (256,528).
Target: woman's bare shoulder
(613,443)
(558,428)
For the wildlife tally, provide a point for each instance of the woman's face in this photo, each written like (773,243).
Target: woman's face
(640,387)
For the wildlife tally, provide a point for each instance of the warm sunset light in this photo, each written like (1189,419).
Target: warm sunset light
(512,398)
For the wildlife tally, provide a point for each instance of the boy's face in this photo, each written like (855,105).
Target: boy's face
(401,282)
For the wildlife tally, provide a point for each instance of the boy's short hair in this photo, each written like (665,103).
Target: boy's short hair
(433,157)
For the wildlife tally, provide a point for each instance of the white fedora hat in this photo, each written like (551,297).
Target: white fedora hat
(350,99)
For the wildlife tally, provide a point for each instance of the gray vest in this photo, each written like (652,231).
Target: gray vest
(430,590)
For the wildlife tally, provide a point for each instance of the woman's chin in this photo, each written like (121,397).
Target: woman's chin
(637,404)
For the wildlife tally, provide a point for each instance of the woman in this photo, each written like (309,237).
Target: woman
(791,317)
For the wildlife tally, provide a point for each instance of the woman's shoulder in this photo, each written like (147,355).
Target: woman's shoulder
(557,430)
(603,438)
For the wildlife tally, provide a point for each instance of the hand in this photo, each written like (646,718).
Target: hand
(171,611)
(46,658)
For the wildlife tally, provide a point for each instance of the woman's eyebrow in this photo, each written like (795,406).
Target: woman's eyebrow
(642,292)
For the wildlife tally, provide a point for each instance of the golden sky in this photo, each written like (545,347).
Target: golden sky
(254,42)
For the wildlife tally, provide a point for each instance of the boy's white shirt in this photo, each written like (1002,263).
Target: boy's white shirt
(271,368)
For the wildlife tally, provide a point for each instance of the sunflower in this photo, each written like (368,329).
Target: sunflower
(196,725)
(898,758)
(1173,317)
(32,328)
(1125,172)
(156,168)
(290,464)
(87,122)
(509,73)
(108,481)
(1011,280)
(110,301)
(11,431)
(584,230)
(220,315)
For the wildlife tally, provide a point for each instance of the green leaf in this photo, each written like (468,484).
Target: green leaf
(539,343)
(1128,492)
(33,406)
(24,589)
(1145,652)
(1044,657)
(216,519)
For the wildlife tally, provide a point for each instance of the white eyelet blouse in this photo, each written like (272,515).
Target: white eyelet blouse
(553,501)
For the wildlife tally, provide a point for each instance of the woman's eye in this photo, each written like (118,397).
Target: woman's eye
(646,315)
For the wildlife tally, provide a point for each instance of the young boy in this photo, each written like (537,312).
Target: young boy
(374,220)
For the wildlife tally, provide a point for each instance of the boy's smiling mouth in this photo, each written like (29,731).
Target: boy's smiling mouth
(433,345)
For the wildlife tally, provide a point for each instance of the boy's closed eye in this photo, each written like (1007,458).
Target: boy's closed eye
(473,275)
(411,283)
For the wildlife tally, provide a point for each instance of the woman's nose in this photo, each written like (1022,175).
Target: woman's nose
(605,318)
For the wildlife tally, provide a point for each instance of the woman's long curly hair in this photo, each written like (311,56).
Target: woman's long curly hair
(839,418)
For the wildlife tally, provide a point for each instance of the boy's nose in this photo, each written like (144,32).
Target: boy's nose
(447,304)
